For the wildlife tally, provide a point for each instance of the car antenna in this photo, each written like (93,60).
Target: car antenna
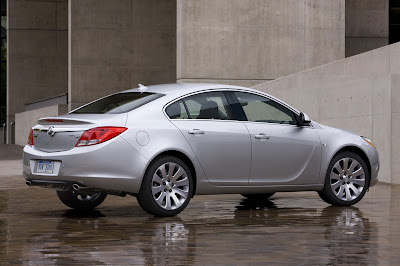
(142,88)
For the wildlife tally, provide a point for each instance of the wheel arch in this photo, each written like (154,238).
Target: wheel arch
(184,158)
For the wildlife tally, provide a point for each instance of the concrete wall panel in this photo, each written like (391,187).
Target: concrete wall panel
(394,61)
(37,52)
(358,45)
(114,45)
(99,43)
(395,145)
(367,25)
(92,82)
(256,39)
(102,14)
(360,94)
(34,14)
(237,82)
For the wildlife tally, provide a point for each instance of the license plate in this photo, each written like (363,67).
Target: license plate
(45,167)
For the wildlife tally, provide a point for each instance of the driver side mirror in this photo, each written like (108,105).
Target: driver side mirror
(304,119)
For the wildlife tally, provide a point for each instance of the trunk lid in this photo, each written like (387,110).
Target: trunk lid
(61,133)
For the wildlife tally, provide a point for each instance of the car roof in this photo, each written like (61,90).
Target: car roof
(179,89)
(183,88)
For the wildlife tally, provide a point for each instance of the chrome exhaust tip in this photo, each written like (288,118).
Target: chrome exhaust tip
(76,187)
(28,183)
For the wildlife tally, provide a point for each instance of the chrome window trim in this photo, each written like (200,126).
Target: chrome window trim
(238,90)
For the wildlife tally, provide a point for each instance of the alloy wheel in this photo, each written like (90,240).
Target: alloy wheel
(347,179)
(170,186)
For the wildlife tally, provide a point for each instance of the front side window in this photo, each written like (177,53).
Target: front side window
(261,109)
(118,103)
(208,105)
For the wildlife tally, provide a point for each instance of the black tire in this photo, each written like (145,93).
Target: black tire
(167,187)
(262,196)
(328,195)
(81,201)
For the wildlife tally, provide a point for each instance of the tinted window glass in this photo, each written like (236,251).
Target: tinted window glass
(118,103)
(176,111)
(261,109)
(209,105)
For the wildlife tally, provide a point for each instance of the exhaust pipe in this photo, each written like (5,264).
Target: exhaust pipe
(58,185)
(76,187)
(82,189)
(65,186)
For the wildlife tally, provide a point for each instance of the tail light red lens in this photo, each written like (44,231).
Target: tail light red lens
(54,120)
(30,138)
(98,135)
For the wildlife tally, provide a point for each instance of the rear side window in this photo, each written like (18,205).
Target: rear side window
(176,111)
(208,105)
(118,103)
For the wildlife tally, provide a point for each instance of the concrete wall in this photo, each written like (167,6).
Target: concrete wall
(246,42)
(114,45)
(26,120)
(367,25)
(359,93)
(37,54)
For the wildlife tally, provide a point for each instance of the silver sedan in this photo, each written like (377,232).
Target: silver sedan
(166,143)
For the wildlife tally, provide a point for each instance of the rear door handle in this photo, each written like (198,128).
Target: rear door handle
(196,131)
(261,136)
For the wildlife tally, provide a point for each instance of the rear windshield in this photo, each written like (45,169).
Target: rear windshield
(118,103)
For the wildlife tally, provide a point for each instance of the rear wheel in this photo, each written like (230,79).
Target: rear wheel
(262,196)
(166,188)
(346,181)
(81,201)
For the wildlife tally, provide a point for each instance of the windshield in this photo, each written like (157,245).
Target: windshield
(118,103)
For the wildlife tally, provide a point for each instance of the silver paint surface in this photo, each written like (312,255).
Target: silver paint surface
(227,158)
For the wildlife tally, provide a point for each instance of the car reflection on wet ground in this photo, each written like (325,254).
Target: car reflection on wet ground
(291,228)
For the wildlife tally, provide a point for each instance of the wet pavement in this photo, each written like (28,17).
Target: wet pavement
(291,228)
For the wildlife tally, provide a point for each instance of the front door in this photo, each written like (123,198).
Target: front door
(282,152)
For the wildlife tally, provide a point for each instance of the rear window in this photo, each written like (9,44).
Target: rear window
(118,103)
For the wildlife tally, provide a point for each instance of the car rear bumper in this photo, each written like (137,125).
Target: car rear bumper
(113,165)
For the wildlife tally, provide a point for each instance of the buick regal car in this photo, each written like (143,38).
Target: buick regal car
(166,143)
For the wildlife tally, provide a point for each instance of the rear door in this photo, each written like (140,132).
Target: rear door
(221,145)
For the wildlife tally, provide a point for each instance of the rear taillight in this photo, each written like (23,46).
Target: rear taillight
(30,138)
(54,120)
(98,135)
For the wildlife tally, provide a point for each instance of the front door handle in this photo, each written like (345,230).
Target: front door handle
(261,136)
(196,131)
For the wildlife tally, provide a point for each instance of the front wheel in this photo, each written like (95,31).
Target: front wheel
(346,181)
(81,201)
(166,187)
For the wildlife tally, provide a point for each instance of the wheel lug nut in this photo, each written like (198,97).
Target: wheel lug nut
(165,190)
(163,183)
(170,190)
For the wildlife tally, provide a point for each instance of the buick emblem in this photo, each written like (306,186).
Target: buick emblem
(51,131)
